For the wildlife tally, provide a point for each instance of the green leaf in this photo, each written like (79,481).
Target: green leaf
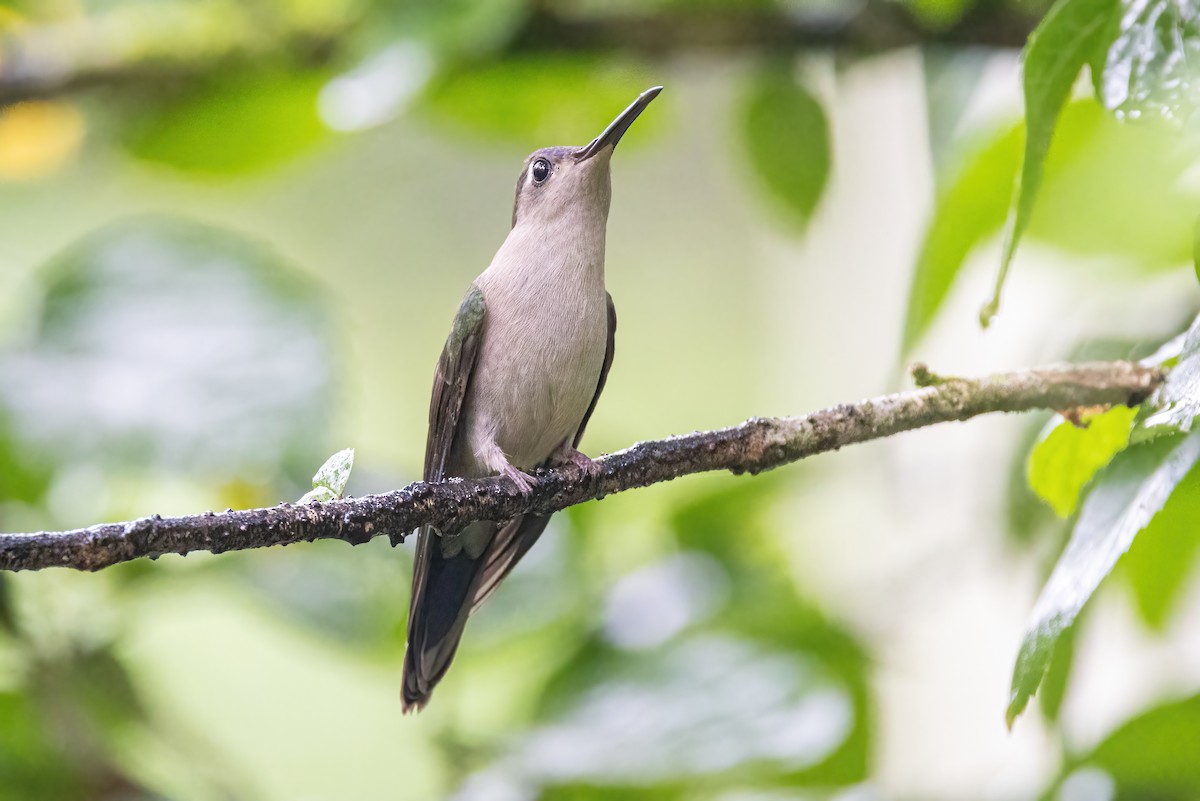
(1153,756)
(1114,189)
(1175,405)
(1161,559)
(1125,498)
(334,474)
(1196,247)
(1151,64)
(1058,673)
(318,495)
(787,139)
(1109,189)
(938,14)
(1063,42)
(231,125)
(1067,456)
(330,480)
(968,210)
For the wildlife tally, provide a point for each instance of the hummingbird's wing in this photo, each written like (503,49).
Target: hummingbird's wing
(450,381)
(608,359)
(514,539)
(443,583)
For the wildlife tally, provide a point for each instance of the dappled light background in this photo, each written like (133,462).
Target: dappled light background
(232,239)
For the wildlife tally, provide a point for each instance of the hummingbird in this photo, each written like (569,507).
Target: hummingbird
(515,386)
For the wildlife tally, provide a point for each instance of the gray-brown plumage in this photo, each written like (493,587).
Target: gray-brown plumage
(516,383)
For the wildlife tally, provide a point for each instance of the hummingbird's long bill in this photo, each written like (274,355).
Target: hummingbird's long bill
(617,128)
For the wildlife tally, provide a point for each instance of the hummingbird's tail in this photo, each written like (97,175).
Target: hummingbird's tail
(447,589)
(443,591)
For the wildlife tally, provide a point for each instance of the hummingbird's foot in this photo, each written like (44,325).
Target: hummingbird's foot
(588,468)
(523,481)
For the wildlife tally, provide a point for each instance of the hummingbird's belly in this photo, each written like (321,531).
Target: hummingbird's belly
(535,379)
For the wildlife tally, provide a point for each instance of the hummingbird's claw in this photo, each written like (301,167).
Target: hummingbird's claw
(588,468)
(523,481)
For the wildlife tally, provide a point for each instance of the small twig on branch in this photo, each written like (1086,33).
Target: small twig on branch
(751,447)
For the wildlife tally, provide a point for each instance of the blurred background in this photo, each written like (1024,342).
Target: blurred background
(232,239)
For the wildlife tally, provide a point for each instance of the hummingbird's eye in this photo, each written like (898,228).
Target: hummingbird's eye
(541,171)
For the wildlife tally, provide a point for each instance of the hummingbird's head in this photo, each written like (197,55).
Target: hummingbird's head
(556,179)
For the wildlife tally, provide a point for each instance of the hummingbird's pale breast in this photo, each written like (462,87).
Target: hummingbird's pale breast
(543,347)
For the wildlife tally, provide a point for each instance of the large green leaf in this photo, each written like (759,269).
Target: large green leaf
(1124,499)
(1153,756)
(787,139)
(1109,189)
(1113,189)
(1152,63)
(970,209)
(1058,673)
(1164,554)
(1067,456)
(1067,38)
(1175,405)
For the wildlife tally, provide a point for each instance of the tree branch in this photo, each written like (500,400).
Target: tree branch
(869,27)
(159,47)
(751,447)
(184,42)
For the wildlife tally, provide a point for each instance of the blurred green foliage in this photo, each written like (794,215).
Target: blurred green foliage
(255,385)
(787,139)
(230,125)
(534,101)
